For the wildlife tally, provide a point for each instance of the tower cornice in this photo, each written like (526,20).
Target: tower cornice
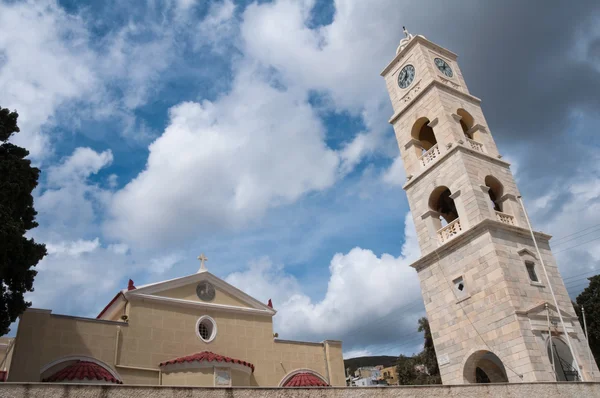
(434,83)
(455,148)
(413,42)
(483,226)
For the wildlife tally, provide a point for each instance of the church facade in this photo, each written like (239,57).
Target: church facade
(495,315)
(195,330)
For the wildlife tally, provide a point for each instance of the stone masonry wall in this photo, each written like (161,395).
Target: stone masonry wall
(526,390)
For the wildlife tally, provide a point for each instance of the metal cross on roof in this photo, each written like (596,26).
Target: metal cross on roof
(202,259)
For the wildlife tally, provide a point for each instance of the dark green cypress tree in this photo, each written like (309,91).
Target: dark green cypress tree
(18,254)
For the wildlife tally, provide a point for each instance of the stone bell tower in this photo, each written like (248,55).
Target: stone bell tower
(488,301)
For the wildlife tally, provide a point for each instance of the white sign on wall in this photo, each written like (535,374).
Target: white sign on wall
(222,377)
(443,360)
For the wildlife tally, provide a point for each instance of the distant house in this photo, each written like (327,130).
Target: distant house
(389,375)
(368,376)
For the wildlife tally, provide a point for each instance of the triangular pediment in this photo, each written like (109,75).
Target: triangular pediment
(539,310)
(183,291)
(526,252)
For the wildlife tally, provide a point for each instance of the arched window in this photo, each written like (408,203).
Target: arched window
(466,122)
(496,190)
(441,202)
(424,134)
(564,364)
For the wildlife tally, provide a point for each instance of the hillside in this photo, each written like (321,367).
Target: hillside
(355,363)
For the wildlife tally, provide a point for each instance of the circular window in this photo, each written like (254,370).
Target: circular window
(206,329)
(205,291)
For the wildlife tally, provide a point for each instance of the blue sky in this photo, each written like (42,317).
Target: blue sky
(256,132)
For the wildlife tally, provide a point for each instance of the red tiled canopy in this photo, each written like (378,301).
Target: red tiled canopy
(305,380)
(207,356)
(81,370)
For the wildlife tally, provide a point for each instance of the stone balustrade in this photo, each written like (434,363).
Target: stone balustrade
(429,156)
(449,231)
(505,218)
(475,145)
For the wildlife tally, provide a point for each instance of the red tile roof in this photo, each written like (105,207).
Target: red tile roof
(82,370)
(207,356)
(305,380)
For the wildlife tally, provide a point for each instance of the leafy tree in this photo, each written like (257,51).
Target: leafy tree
(423,367)
(428,354)
(589,299)
(18,254)
(406,367)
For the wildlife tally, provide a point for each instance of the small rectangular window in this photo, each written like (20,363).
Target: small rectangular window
(531,272)
(459,287)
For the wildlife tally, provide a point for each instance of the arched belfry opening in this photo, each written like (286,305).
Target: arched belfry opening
(495,192)
(562,359)
(484,367)
(422,132)
(466,122)
(441,202)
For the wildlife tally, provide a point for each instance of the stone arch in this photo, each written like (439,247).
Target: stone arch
(562,359)
(495,192)
(62,362)
(422,132)
(297,371)
(466,121)
(441,202)
(483,366)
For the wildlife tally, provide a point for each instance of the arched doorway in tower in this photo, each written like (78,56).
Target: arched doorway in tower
(484,367)
(441,202)
(561,358)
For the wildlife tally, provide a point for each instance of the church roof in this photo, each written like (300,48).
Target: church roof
(83,370)
(305,380)
(207,356)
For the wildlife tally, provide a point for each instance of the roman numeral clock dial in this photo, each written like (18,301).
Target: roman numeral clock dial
(443,67)
(406,76)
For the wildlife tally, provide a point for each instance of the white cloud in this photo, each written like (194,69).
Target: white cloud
(165,263)
(70,204)
(73,249)
(82,163)
(342,59)
(218,27)
(45,63)
(221,164)
(395,175)
(362,288)
(75,277)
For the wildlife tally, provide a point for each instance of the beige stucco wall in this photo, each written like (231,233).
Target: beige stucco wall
(524,390)
(43,338)
(157,332)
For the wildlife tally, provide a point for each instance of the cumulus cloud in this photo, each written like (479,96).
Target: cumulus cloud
(221,164)
(363,289)
(45,63)
(69,204)
(73,249)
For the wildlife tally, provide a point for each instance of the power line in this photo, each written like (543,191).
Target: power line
(577,237)
(583,243)
(576,232)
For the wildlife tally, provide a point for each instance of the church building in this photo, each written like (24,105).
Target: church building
(196,330)
(496,303)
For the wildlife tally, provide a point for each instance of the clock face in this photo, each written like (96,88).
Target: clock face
(443,67)
(205,291)
(406,76)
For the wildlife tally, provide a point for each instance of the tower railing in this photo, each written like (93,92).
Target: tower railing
(475,145)
(505,218)
(430,155)
(449,231)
